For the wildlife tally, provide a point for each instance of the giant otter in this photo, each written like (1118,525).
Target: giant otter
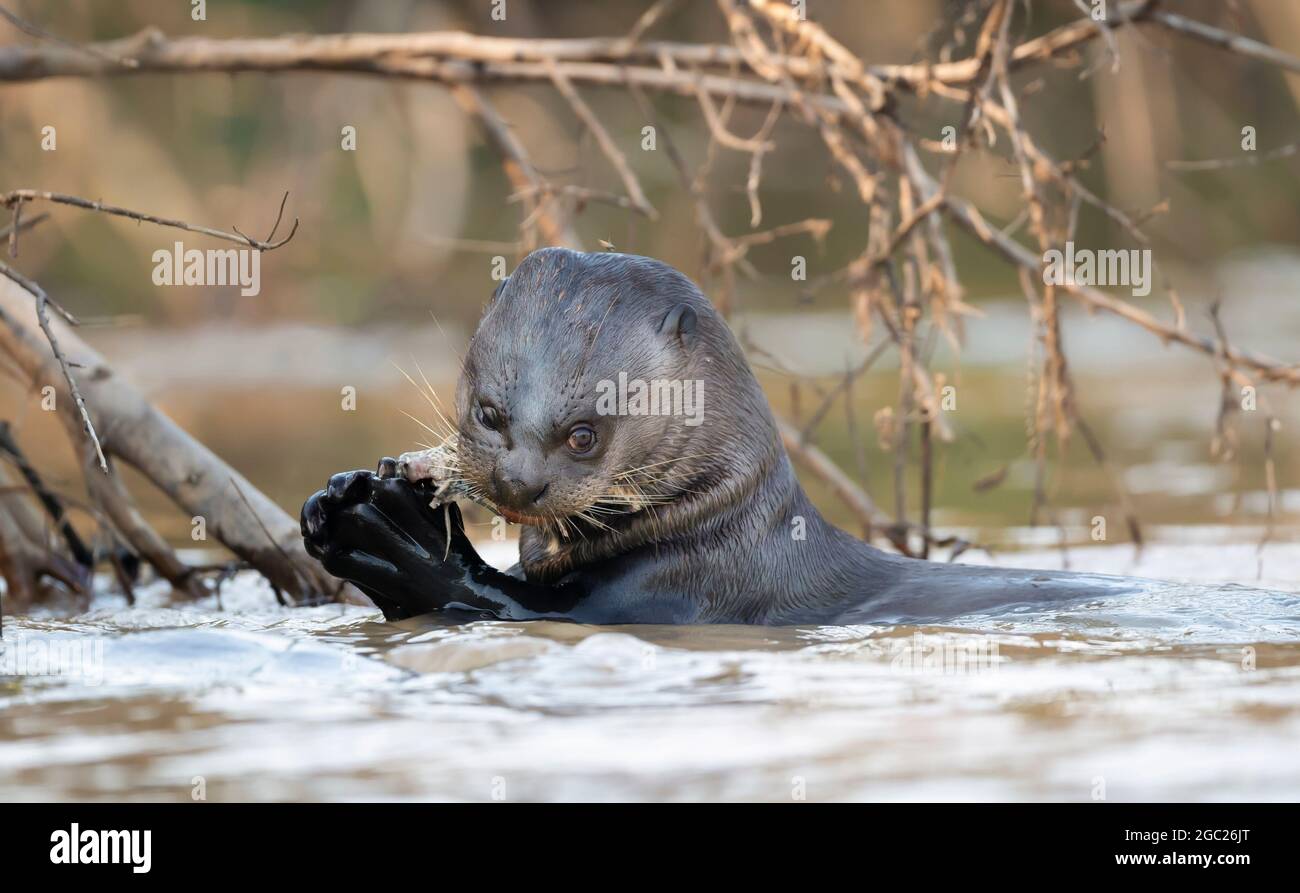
(631,517)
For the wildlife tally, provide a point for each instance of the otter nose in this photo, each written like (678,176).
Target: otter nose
(519,483)
(518,492)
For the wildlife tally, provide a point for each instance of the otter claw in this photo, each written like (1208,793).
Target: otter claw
(348,486)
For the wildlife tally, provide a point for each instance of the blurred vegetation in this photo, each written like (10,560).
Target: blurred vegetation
(378,224)
(389,233)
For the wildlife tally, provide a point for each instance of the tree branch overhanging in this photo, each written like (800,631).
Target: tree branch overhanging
(905,278)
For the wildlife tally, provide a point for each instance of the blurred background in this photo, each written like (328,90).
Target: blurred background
(392,260)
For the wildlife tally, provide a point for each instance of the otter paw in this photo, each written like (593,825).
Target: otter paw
(382,535)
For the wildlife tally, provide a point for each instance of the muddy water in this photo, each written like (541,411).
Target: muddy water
(1190,692)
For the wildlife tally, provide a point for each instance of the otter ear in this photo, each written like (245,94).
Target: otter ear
(680,324)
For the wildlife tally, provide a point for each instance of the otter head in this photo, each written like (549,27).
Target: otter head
(581,402)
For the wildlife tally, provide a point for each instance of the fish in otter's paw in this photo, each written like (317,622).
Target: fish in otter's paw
(605,405)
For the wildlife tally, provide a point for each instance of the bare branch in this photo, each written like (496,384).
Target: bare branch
(1246,160)
(1226,40)
(33,31)
(649,19)
(905,277)
(42,303)
(603,139)
(17,196)
(853,496)
(518,166)
(972,220)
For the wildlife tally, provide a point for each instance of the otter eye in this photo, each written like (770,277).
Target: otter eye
(581,438)
(488,417)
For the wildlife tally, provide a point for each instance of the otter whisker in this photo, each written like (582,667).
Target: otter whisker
(482,499)
(583,515)
(433,393)
(606,510)
(459,357)
(420,423)
(666,462)
(635,498)
(432,401)
(448,447)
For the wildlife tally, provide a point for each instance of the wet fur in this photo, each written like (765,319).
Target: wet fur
(717,545)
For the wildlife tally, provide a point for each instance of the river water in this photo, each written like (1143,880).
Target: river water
(1190,693)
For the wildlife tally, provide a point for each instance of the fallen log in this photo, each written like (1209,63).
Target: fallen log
(132,430)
